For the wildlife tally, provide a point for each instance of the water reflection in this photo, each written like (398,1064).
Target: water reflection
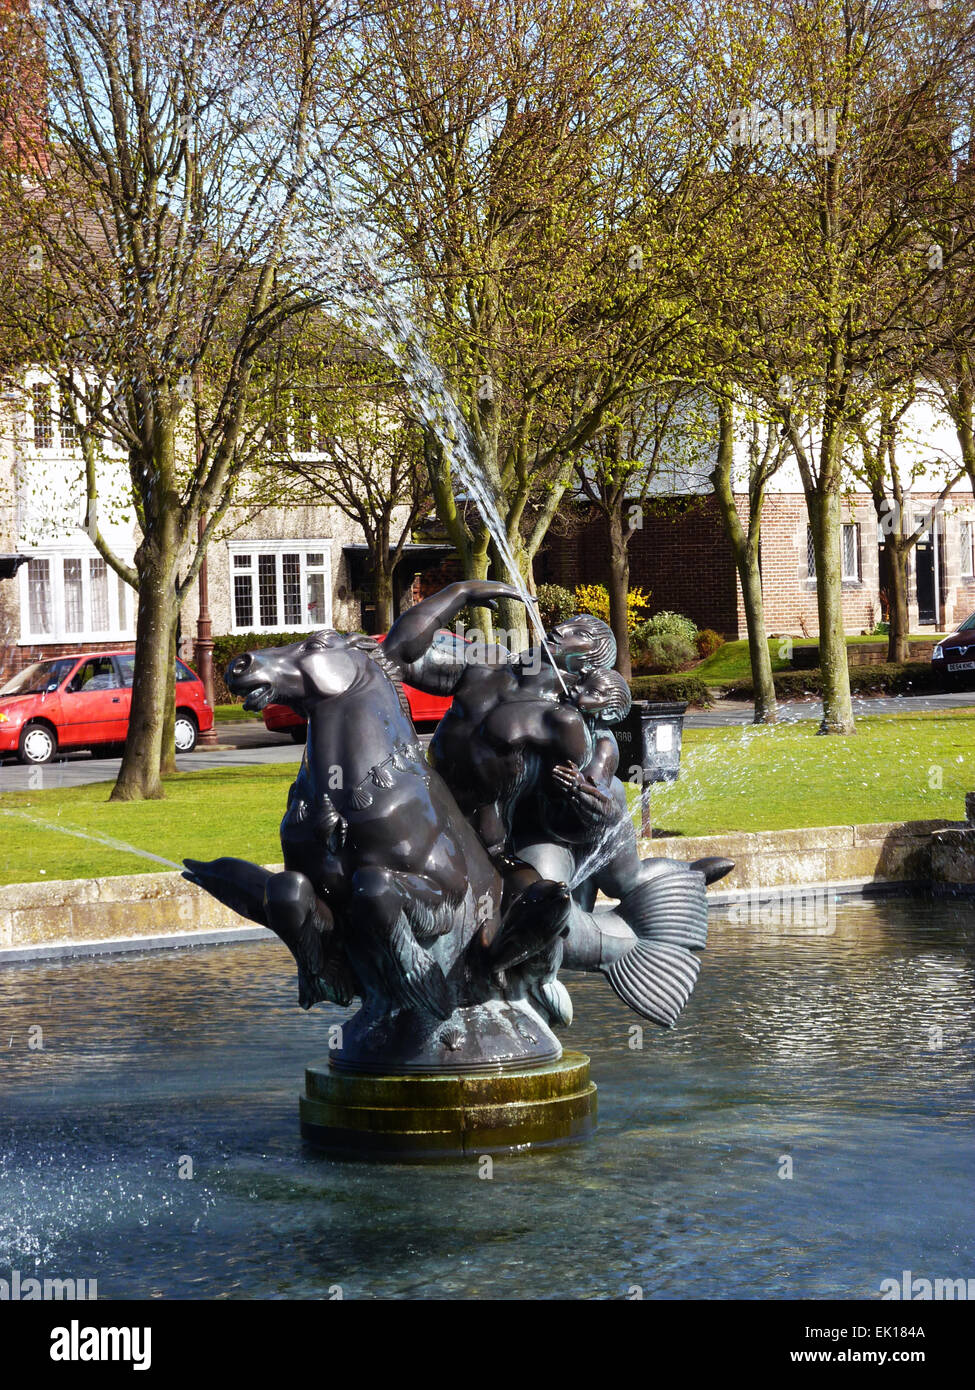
(852,1055)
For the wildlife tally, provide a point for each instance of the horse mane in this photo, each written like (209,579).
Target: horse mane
(361,642)
(373,650)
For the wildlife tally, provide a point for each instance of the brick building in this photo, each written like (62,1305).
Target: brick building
(680,552)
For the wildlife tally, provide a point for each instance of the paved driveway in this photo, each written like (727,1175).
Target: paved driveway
(741,712)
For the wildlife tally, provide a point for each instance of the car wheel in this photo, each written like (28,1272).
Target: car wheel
(186,732)
(38,744)
(299,735)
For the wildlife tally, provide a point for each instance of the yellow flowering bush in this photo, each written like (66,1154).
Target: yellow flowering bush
(594,598)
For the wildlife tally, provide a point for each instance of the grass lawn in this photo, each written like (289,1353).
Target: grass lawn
(233,714)
(753,778)
(896,767)
(730,662)
(235,810)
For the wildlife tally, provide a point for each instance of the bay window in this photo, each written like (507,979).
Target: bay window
(74,597)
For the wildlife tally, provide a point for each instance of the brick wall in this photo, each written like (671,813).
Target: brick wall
(680,554)
(790,595)
(23,96)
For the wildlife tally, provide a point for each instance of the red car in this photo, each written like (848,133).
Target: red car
(282,719)
(71,702)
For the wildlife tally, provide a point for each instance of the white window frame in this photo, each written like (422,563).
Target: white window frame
(966,548)
(848,577)
(303,548)
(59,445)
(121,625)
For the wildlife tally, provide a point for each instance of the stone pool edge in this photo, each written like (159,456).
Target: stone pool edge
(138,912)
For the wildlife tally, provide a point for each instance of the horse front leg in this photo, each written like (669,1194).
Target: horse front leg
(305,924)
(381,944)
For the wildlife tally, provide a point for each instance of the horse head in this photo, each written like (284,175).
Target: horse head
(303,674)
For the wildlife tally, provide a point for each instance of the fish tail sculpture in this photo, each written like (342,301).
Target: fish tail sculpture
(647,945)
(669,918)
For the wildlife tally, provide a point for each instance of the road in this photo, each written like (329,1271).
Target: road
(249,743)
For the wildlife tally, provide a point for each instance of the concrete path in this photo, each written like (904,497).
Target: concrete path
(249,743)
(741,712)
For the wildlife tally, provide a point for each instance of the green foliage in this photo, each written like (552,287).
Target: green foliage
(666,623)
(686,686)
(707,642)
(667,651)
(555,604)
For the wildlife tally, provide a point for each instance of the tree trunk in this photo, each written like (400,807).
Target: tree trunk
(897,639)
(512,621)
(383,592)
(139,776)
(745,550)
(824,519)
(167,752)
(618,576)
(763,684)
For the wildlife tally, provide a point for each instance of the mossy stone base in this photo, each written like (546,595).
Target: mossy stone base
(450,1115)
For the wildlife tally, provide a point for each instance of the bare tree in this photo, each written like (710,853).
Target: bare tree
(838,142)
(882,437)
(149,234)
(765,450)
(619,472)
(353,442)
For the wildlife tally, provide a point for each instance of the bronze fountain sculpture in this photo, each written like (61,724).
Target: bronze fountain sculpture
(446,892)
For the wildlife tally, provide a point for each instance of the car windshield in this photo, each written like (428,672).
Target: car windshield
(968,624)
(41,677)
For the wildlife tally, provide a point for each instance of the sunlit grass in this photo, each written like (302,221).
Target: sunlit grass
(903,767)
(900,767)
(235,810)
(730,662)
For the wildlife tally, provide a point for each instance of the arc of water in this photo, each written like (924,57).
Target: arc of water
(375,312)
(98,839)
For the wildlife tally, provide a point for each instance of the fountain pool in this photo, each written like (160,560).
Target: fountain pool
(853,1055)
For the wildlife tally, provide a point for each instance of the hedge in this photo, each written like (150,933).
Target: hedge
(884,678)
(683,686)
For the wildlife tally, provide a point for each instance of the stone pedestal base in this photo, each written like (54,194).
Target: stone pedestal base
(447,1115)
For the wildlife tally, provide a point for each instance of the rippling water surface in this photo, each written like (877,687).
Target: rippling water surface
(852,1055)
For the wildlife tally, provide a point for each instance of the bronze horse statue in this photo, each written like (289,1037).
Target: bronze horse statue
(387,893)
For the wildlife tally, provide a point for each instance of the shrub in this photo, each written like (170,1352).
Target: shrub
(682,687)
(707,642)
(668,652)
(594,599)
(666,623)
(556,604)
(886,678)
